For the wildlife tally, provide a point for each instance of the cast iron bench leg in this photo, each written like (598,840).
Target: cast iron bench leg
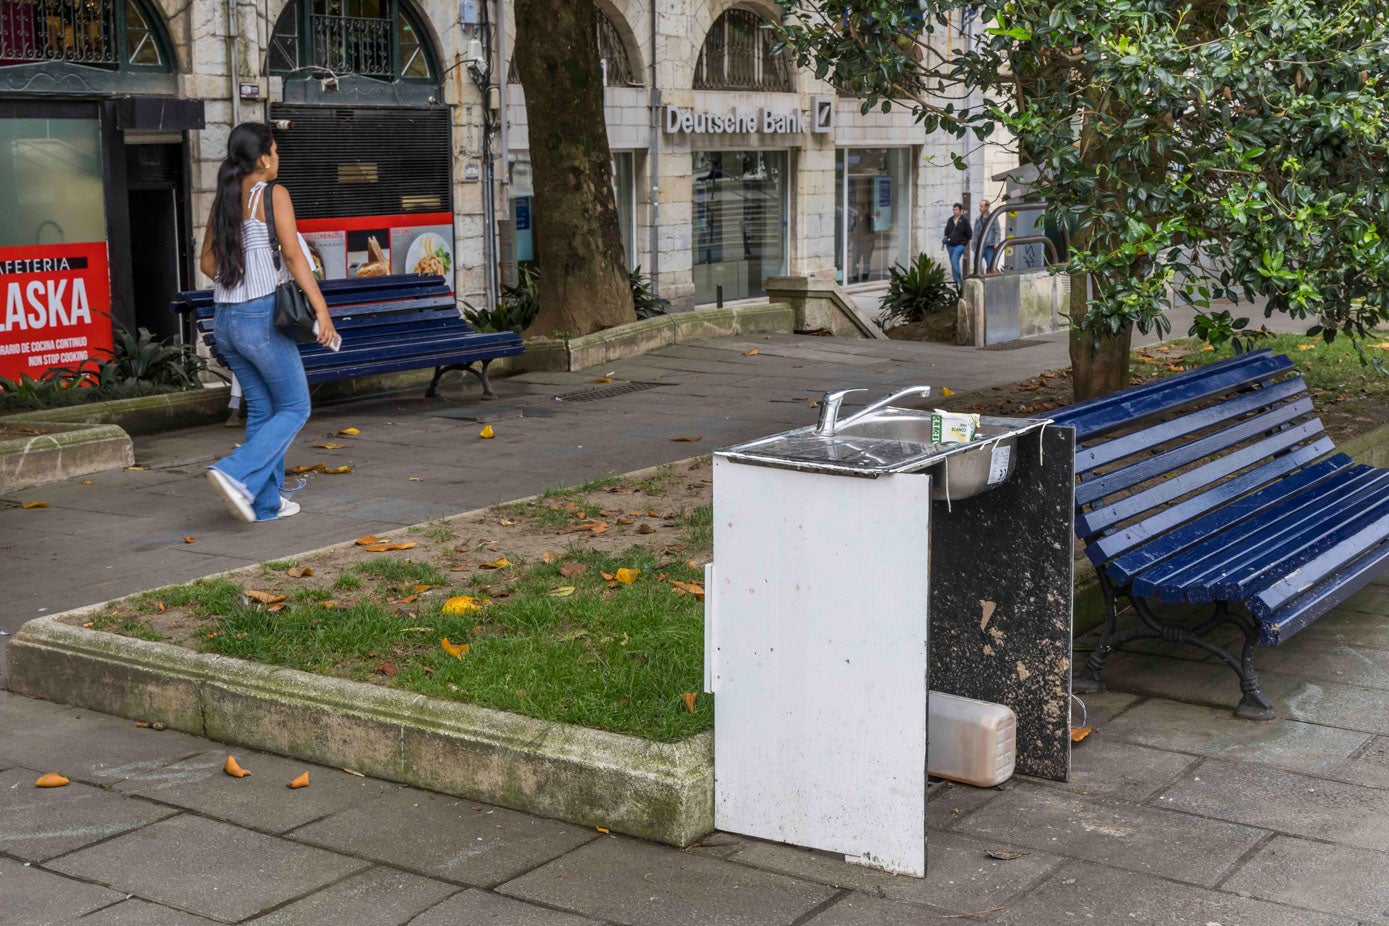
(487,392)
(1253,704)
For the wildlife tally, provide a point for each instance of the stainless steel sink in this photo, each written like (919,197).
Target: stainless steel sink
(896,440)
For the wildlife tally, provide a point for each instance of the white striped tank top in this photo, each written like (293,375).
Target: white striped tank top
(260,277)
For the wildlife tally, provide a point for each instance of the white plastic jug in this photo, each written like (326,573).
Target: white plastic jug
(975,742)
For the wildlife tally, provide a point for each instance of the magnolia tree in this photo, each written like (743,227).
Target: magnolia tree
(1207,150)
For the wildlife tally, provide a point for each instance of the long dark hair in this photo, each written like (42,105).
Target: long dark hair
(247,142)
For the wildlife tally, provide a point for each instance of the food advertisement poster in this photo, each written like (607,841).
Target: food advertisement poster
(57,300)
(367,246)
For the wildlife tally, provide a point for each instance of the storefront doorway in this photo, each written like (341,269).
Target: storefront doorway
(740,228)
(872,212)
(158,255)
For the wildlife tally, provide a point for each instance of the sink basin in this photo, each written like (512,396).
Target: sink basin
(897,440)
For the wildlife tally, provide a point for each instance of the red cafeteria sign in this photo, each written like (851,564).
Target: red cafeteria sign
(56,298)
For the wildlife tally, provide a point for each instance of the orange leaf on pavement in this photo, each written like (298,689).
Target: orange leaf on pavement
(750,352)
(233,769)
(51,780)
(1080,733)
(487,432)
(301,782)
(27,505)
(190,540)
(337,470)
(350,432)
(368,539)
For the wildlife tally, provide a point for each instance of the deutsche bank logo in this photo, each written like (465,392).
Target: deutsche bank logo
(823,109)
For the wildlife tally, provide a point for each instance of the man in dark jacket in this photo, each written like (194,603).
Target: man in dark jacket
(985,239)
(956,240)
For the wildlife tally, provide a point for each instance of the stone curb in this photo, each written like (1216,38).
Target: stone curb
(546,355)
(66,452)
(663,792)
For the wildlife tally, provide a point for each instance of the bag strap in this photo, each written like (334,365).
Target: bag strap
(267,197)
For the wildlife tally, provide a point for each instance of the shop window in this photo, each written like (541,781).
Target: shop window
(380,39)
(523,204)
(616,60)
(116,36)
(872,212)
(738,54)
(740,206)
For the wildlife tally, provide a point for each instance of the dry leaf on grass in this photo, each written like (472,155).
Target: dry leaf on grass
(646,529)
(299,572)
(301,782)
(462,604)
(500,562)
(563,591)
(597,527)
(368,539)
(569,570)
(456,650)
(549,556)
(386,669)
(387,547)
(689,588)
(487,432)
(51,780)
(627,576)
(233,769)
(690,697)
(350,432)
(27,505)
(263,597)
(1306,347)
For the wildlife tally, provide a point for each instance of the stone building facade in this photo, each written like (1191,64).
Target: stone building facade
(729,165)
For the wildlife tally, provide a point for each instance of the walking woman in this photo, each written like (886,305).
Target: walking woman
(236,254)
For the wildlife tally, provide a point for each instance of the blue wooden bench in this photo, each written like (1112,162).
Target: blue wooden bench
(388,324)
(1218,487)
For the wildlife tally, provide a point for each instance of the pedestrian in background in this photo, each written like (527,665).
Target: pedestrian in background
(985,238)
(236,254)
(956,240)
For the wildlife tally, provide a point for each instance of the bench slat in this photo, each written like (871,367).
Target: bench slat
(1151,467)
(1108,413)
(1209,538)
(1129,551)
(1091,458)
(1133,505)
(1368,542)
(1301,611)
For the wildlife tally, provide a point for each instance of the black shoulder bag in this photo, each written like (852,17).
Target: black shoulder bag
(293,315)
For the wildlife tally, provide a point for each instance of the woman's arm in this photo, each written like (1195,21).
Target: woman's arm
(207,261)
(288,234)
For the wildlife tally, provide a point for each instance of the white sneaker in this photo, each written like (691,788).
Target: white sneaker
(232,493)
(288,509)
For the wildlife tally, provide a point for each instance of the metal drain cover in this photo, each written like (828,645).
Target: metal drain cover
(605,392)
(1010,345)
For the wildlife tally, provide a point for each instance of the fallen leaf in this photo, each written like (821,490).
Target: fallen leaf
(609,576)
(603,379)
(569,570)
(336,470)
(299,572)
(1003,855)
(946,392)
(353,772)
(368,539)
(646,529)
(275,608)
(387,547)
(1080,733)
(500,562)
(456,650)
(487,432)
(33,504)
(461,604)
(190,540)
(233,769)
(159,605)
(625,521)
(138,467)
(690,588)
(689,697)
(602,829)
(301,470)
(329,604)
(301,782)
(505,523)
(750,352)
(86,482)
(627,576)
(686,440)
(386,669)
(1306,347)
(563,591)
(88,623)
(51,780)
(549,556)
(329,445)
(350,432)
(415,479)
(142,724)
(263,597)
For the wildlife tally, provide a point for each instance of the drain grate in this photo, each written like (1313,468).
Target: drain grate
(1010,345)
(605,392)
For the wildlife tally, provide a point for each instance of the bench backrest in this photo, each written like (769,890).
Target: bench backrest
(380,295)
(1162,464)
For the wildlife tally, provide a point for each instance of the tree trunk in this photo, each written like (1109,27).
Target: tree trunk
(584,285)
(1099,360)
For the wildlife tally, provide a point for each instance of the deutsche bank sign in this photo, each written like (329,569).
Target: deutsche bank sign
(762,121)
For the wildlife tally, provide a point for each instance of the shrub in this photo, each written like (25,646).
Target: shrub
(920,288)
(520,304)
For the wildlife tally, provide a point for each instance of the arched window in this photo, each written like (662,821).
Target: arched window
(119,36)
(618,70)
(737,55)
(380,39)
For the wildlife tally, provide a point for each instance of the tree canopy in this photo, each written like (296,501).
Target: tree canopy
(1209,148)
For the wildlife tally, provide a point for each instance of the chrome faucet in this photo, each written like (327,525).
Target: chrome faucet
(829,407)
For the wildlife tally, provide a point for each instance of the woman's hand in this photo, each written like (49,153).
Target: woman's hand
(327,334)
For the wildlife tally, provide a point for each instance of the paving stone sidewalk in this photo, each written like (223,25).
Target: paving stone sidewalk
(1177,813)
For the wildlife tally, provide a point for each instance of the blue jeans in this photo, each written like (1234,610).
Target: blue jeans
(957,252)
(267,365)
(988,255)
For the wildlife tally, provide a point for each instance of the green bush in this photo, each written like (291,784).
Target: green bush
(915,291)
(520,304)
(644,298)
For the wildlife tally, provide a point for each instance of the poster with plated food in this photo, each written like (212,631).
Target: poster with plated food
(367,252)
(424,249)
(329,252)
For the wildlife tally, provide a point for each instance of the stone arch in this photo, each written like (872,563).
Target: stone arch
(417,10)
(631,44)
(705,13)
